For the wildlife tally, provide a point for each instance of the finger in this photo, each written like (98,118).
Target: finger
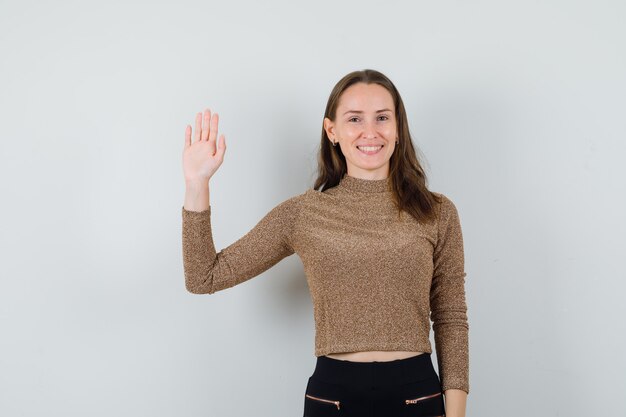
(214,123)
(205,124)
(198,127)
(188,136)
(222,147)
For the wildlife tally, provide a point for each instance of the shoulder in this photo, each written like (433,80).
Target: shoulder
(299,199)
(306,200)
(446,207)
(293,204)
(446,201)
(306,196)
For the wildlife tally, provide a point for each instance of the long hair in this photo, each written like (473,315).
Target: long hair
(408,180)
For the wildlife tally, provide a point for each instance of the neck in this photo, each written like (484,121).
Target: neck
(350,183)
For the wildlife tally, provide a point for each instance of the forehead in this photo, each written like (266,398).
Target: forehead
(361,96)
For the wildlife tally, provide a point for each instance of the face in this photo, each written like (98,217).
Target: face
(365,127)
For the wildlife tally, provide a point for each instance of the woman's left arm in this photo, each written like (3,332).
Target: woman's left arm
(455,401)
(449,310)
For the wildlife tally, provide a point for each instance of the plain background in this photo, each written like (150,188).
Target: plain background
(517,106)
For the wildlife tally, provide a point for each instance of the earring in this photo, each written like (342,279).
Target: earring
(334,143)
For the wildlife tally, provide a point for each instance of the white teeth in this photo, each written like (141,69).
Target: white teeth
(369,148)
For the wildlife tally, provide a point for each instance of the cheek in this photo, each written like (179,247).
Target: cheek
(388,129)
(351,130)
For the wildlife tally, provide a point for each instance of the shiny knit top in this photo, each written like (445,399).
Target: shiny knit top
(375,278)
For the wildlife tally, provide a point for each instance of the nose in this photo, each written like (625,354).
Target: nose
(369,129)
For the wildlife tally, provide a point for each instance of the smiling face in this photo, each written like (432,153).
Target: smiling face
(365,128)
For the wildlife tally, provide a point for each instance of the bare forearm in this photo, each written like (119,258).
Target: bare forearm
(197,195)
(456,401)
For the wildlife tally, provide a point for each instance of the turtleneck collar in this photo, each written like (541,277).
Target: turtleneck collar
(364,186)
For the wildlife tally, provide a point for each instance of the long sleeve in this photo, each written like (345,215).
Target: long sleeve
(447,301)
(208,271)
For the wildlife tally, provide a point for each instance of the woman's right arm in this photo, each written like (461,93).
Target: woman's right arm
(201,159)
(206,270)
(197,195)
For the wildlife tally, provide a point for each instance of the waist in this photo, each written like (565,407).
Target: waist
(375,355)
(393,372)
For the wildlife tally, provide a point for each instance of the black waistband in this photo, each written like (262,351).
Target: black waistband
(399,371)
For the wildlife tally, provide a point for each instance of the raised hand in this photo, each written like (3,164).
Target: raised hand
(202,158)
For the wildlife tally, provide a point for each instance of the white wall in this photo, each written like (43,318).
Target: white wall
(518,107)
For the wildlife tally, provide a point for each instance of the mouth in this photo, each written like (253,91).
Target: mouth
(370,150)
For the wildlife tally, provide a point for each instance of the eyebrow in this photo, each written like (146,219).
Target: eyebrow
(361,111)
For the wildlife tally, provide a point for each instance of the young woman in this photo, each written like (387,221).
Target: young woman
(382,254)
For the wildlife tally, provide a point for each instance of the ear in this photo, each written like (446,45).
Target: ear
(329,127)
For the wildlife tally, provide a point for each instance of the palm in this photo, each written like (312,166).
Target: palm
(202,157)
